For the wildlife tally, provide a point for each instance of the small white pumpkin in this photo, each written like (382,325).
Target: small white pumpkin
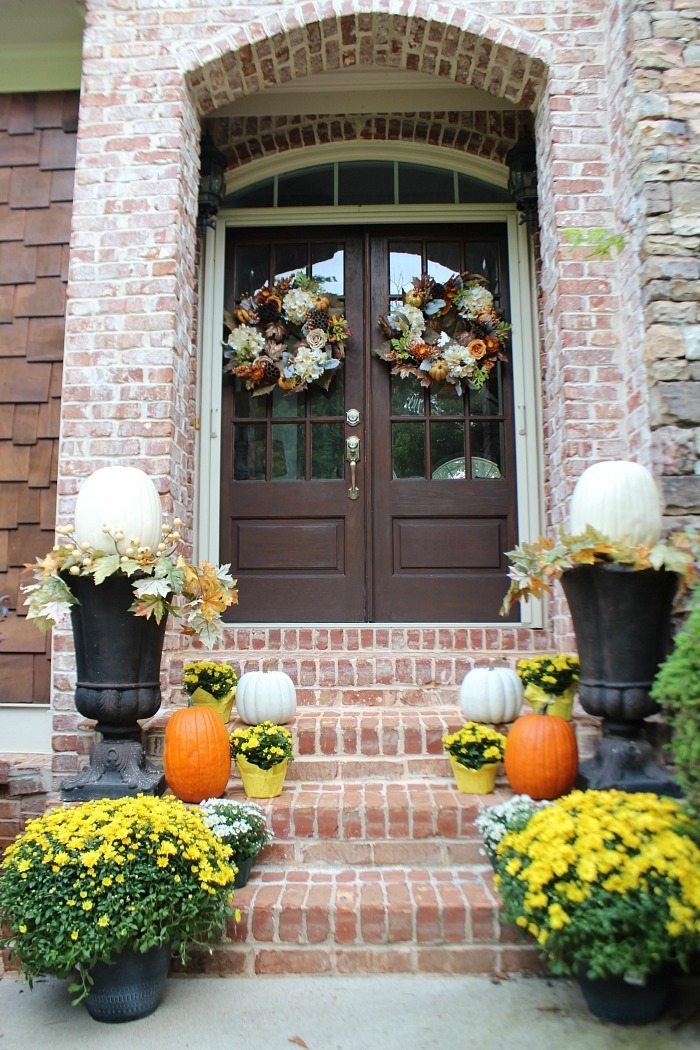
(120,497)
(619,499)
(263,696)
(491,694)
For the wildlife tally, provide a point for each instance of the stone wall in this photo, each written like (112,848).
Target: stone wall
(665,140)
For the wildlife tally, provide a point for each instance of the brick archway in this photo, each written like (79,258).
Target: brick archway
(464,47)
(487,134)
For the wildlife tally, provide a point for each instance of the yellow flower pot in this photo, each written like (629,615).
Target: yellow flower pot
(475,781)
(562,705)
(261,783)
(203,698)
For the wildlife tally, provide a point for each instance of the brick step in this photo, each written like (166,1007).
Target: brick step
(273,641)
(373,823)
(350,920)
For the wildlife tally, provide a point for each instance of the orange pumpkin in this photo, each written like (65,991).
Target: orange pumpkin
(541,758)
(197,755)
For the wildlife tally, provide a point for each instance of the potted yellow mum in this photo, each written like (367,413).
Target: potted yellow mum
(106,891)
(475,753)
(262,753)
(607,884)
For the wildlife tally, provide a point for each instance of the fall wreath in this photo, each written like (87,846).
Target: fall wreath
(446,332)
(288,334)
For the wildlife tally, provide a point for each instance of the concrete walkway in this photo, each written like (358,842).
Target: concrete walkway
(350,1013)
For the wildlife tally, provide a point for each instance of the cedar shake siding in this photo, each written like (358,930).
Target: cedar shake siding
(37,161)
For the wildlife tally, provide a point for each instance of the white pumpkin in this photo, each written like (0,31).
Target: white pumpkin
(124,497)
(619,499)
(491,694)
(263,696)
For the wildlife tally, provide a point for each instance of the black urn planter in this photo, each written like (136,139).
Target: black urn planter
(620,1001)
(622,620)
(118,682)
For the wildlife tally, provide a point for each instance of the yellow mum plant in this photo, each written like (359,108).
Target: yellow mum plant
(606,882)
(264,745)
(83,882)
(475,745)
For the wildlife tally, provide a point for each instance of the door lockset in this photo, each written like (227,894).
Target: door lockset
(352,454)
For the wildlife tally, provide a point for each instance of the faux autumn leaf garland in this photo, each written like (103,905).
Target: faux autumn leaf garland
(158,577)
(535,566)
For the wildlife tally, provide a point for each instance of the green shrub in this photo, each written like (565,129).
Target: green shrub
(677,688)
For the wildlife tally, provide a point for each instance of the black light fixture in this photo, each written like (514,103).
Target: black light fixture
(211,182)
(522,177)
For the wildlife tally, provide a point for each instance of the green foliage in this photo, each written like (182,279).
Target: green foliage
(601,242)
(84,882)
(605,881)
(677,689)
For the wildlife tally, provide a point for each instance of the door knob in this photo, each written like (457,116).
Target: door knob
(352,454)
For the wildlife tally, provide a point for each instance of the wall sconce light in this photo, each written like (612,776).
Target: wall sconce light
(522,178)
(211,182)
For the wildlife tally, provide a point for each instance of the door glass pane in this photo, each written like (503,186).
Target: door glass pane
(443,259)
(326,451)
(472,191)
(447,449)
(328,402)
(444,401)
(249,452)
(406,397)
(289,259)
(258,196)
(288,452)
(252,269)
(286,406)
(245,405)
(366,182)
(328,262)
(405,263)
(419,184)
(487,450)
(482,258)
(408,450)
(487,401)
(310,186)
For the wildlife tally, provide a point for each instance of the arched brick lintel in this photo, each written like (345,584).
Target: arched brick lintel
(464,47)
(485,134)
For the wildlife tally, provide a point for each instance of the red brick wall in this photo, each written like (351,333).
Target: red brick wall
(153,72)
(37,160)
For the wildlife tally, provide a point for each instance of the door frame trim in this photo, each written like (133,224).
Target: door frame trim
(528,412)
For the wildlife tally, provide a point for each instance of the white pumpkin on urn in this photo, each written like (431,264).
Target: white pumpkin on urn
(266,696)
(491,694)
(124,499)
(619,499)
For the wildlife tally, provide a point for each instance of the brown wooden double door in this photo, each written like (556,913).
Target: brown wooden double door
(435,508)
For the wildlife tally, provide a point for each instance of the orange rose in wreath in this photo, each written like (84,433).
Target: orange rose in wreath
(477,349)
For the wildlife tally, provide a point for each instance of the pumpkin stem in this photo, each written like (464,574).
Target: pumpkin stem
(269,665)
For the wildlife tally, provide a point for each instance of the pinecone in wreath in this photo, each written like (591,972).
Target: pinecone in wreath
(271,371)
(269,311)
(315,319)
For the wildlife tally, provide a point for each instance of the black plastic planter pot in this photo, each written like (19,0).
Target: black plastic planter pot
(622,1002)
(622,623)
(129,987)
(118,682)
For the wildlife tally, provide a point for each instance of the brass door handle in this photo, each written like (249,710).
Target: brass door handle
(352,454)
